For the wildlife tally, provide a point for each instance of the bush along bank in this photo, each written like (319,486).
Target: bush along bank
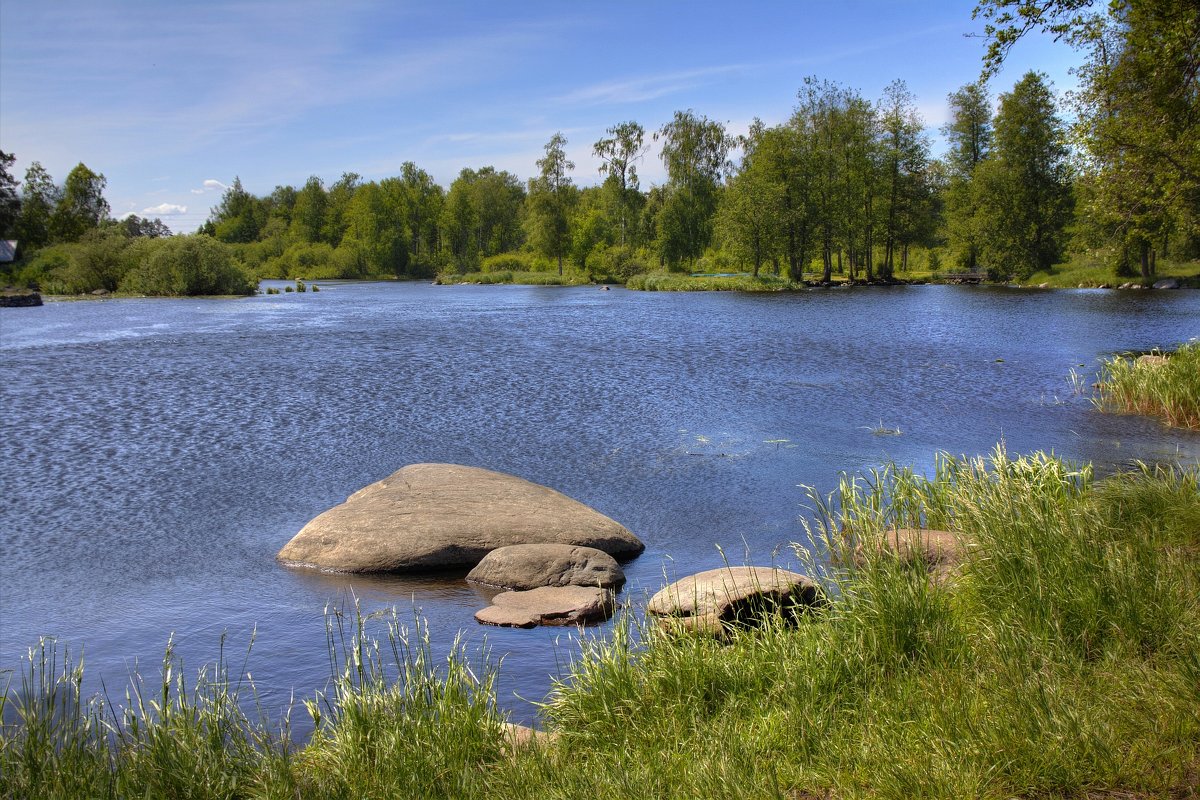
(1060,657)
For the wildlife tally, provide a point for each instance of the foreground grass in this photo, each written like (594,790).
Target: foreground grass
(1062,661)
(1164,386)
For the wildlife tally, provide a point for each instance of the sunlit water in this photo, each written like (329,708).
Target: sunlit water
(159,452)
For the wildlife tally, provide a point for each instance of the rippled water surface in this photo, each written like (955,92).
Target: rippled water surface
(159,452)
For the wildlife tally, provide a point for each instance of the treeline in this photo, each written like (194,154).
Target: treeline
(846,185)
(69,244)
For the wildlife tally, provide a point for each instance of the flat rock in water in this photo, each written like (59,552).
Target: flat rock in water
(443,516)
(548,605)
(734,595)
(527,566)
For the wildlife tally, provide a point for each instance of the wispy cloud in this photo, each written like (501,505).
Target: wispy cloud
(648,87)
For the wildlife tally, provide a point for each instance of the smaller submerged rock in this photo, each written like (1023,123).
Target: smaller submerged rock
(548,605)
(528,566)
(941,553)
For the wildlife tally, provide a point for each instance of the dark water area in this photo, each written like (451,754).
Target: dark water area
(160,452)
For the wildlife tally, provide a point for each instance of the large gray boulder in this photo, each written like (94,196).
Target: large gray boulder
(548,605)
(712,600)
(444,516)
(527,566)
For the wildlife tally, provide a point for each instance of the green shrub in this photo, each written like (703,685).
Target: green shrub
(618,264)
(188,265)
(507,262)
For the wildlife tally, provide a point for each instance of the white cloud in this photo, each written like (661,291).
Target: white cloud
(213,185)
(165,210)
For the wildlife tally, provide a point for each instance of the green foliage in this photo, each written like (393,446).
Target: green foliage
(81,206)
(239,217)
(188,265)
(695,152)
(617,264)
(508,262)
(10,201)
(39,197)
(550,198)
(1023,192)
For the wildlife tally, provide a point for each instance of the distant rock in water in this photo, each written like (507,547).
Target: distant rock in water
(444,516)
(528,566)
(10,298)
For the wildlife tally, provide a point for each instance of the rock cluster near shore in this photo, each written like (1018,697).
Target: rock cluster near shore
(554,557)
(514,533)
(443,516)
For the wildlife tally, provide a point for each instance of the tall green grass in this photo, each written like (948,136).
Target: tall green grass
(1165,386)
(1061,660)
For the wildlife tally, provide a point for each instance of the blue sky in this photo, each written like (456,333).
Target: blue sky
(171,100)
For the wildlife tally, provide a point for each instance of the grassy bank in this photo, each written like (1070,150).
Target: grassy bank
(1158,385)
(569,278)
(1093,270)
(1062,660)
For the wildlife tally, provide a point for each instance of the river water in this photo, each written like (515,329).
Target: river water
(159,452)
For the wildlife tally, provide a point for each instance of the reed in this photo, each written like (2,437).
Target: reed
(1160,385)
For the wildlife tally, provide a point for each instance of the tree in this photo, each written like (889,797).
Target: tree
(10,201)
(618,154)
(1024,191)
(1139,127)
(458,223)
(81,206)
(337,203)
(308,212)
(39,197)
(840,133)
(135,227)
(752,205)
(1138,111)
(969,134)
(904,161)
(239,217)
(550,196)
(695,151)
(376,236)
(424,199)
